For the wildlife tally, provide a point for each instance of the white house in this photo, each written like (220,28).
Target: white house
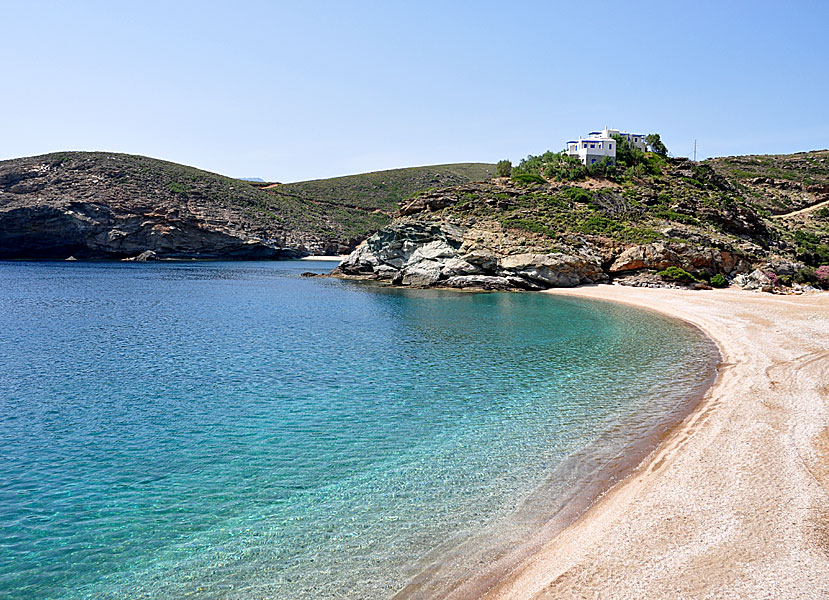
(599,144)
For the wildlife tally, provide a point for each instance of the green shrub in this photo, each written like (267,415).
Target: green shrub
(577,194)
(177,188)
(503,168)
(604,168)
(528,178)
(718,281)
(627,155)
(805,275)
(599,225)
(810,249)
(529,225)
(671,215)
(677,274)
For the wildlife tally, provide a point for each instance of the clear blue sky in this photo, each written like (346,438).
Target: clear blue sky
(298,90)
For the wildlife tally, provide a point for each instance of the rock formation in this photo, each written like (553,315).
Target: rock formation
(507,234)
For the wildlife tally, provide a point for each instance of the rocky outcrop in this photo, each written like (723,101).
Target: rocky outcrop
(92,230)
(113,206)
(658,256)
(418,253)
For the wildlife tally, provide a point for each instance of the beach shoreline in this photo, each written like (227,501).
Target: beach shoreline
(735,501)
(469,564)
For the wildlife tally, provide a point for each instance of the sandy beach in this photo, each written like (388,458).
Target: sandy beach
(735,502)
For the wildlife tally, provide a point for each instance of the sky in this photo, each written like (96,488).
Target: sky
(288,91)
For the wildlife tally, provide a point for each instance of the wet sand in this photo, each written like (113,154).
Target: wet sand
(735,502)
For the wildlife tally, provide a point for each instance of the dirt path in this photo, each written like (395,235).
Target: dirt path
(801,211)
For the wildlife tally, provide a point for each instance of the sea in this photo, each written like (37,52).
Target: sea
(235,430)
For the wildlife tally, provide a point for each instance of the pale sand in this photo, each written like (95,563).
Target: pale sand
(735,502)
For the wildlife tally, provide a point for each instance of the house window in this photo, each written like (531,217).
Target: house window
(610,146)
(592,145)
(592,161)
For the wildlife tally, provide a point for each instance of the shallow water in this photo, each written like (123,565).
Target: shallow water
(231,430)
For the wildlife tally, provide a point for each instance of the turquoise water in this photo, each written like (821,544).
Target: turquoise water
(231,430)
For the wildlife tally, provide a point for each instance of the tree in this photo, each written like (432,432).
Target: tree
(627,155)
(503,168)
(655,144)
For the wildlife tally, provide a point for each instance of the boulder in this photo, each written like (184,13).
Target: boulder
(648,256)
(146,256)
(484,282)
(554,270)
(782,266)
(756,280)
(423,273)
(658,256)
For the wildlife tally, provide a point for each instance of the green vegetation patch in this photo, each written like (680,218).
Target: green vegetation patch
(677,274)
(718,281)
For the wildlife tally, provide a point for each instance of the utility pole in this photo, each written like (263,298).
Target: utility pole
(695,151)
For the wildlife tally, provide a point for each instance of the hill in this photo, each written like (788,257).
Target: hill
(690,221)
(384,190)
(107,205)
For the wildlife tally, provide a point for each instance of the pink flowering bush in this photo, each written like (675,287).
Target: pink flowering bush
(773,278)
(822,274)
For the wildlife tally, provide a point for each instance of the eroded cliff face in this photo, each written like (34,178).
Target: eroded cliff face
(60,229)
(114,206)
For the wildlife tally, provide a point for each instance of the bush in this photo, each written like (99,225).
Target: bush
(503,168)
(553,165)
(528,178)
(627,155)
(718,281)
(775,281)
(177,188)
(822,275)
(677,274)
(603,168)
(577,194)
(807,275)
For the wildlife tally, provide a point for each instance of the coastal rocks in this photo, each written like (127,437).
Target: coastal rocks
(87,230)
(658,256)
(146,256)
(440,253)
(110,206)
(483,282)
(782,266)
(649,256)
(555,270)
(756,280)
(647,279)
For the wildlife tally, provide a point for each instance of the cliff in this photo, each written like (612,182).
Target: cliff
(725,217)
(112,206)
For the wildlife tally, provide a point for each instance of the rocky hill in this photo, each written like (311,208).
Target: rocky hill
(114,206)
(668,222)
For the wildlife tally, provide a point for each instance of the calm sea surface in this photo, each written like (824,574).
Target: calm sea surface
(231,430)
